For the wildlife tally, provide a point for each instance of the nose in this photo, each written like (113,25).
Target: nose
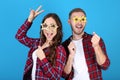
(49,29)
(79,22)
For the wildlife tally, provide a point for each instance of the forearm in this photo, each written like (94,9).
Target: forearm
(30,19)
(68,66)
(23,29)
(100,56)
(21,34)
(52,72)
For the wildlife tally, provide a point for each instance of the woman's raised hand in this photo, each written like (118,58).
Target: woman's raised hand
(34,13)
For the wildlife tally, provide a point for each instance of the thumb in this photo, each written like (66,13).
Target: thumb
(93,33)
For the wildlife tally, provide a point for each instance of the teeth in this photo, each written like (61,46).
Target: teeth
(79,26)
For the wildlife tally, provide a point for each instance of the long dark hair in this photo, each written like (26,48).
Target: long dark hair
(56,40)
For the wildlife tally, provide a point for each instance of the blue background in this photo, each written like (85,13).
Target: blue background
(102,17)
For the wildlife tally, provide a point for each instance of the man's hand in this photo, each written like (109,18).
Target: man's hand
(100,55)
(95,40)
(72,48)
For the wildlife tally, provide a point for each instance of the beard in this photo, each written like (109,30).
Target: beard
(77,31)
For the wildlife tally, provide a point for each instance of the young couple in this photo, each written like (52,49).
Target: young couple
(80,57)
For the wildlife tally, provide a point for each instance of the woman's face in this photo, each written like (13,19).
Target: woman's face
(49,28)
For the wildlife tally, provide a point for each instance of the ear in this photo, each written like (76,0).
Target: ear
(69,21)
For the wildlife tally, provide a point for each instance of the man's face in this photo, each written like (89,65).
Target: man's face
(77,22)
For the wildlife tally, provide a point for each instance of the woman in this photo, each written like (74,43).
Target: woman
(46,58)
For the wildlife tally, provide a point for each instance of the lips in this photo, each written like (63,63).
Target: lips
(80,26)
(49,34)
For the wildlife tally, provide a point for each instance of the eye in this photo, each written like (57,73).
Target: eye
(44,25)
(53,26)
(83,19)
(76,19)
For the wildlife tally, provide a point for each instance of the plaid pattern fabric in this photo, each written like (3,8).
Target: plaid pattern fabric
(94,69)
(44,70)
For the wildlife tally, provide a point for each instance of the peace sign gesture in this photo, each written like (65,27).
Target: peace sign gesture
(34,13)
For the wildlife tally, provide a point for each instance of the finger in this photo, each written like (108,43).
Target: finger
(97,36)
(95,39)
(93,33)
(37,13)
(40,12)
(38,8)
(72,45)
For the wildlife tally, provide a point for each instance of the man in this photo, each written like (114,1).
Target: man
(86,54)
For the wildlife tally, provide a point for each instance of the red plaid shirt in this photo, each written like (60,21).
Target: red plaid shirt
(94,69)
(44,70)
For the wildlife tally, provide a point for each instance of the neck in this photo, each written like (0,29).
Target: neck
(77,37)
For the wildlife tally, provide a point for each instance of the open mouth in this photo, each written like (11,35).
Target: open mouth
(80,26)
(49,34)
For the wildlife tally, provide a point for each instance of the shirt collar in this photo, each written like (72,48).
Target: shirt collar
(83,36)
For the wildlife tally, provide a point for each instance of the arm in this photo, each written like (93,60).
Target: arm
(68,66)
(21,34)
(100,51)
(54,72)
(22,31)
(100,55)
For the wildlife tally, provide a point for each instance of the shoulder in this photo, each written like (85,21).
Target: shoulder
(61,49)
(66,42)
(36,42)
(86,35)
